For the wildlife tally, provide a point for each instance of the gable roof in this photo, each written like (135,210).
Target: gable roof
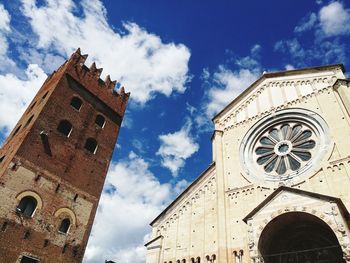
(336,200)
(265,76)
(183,193)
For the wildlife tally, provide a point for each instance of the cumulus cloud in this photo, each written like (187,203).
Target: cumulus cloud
(225,84)
(335,19)
(306,23)
(133,197)
(138,59)
(16,94)
(329,27)
(176,147)
(6,63)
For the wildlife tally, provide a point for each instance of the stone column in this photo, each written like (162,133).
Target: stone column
(220,188)
(343,90)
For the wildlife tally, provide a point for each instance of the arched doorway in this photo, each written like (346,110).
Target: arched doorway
(298,237)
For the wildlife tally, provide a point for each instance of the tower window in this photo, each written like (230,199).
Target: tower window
(100,120)
(17,130)
(26,259)
(76,103)
(47,92)
(64,227)
(91,145)
(2,158)
(31,107)
(27,206)
(29,120)
(65,128)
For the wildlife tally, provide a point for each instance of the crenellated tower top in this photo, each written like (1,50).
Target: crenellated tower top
(89,77)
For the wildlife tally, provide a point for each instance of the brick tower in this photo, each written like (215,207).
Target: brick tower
(54,163)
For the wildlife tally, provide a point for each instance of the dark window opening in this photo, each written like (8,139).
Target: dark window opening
(2,158)
(27,206)
(31,107)
(64,227)
(91,145)
(57,188)
(65,128)
(26,259)
(29,120)
(45,95)
(26,234)
(76,103)
(75,197)
(17,130)
(64,248)
(46,242)
(100,121)
(4,226)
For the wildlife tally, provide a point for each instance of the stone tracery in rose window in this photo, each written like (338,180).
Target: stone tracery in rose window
(285,147)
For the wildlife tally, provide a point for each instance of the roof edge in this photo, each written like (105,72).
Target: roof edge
(297,191)
(271,75)
(183,193)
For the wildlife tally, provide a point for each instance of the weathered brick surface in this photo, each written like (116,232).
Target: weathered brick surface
(65,177)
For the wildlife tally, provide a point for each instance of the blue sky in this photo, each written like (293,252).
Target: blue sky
(182,61)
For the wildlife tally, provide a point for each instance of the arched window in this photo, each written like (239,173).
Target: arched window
(28,121)
(65,128)
(17,130)
(100,120)
(91,145)
(76,103)
(26,259)
(198,260)
(27,206)
(64,227)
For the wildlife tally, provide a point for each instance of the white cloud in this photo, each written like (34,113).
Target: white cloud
(335,19)
(138,59)
(227,85)
(306,23)
(176,147)
(16,94)
(289,67)
(4,19)
(133,197)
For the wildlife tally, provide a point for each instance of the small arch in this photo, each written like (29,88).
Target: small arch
(2,158)
(65,128)
(32,194)
(100,121)
(43,97)
(17,130)
(66,211)
(27,206)
(64,226)
(28,121)
(32,106)
(76,103)
(91,145)
(184,261)
(198,260)
(28,259)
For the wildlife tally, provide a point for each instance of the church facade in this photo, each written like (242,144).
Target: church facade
(277,190)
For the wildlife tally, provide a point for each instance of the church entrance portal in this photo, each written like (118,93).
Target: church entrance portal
(297,237)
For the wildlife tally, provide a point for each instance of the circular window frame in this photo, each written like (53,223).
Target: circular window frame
(307,118)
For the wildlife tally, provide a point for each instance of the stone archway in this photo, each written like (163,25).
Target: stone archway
(298,237)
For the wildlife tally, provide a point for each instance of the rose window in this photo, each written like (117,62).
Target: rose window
(284,147)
